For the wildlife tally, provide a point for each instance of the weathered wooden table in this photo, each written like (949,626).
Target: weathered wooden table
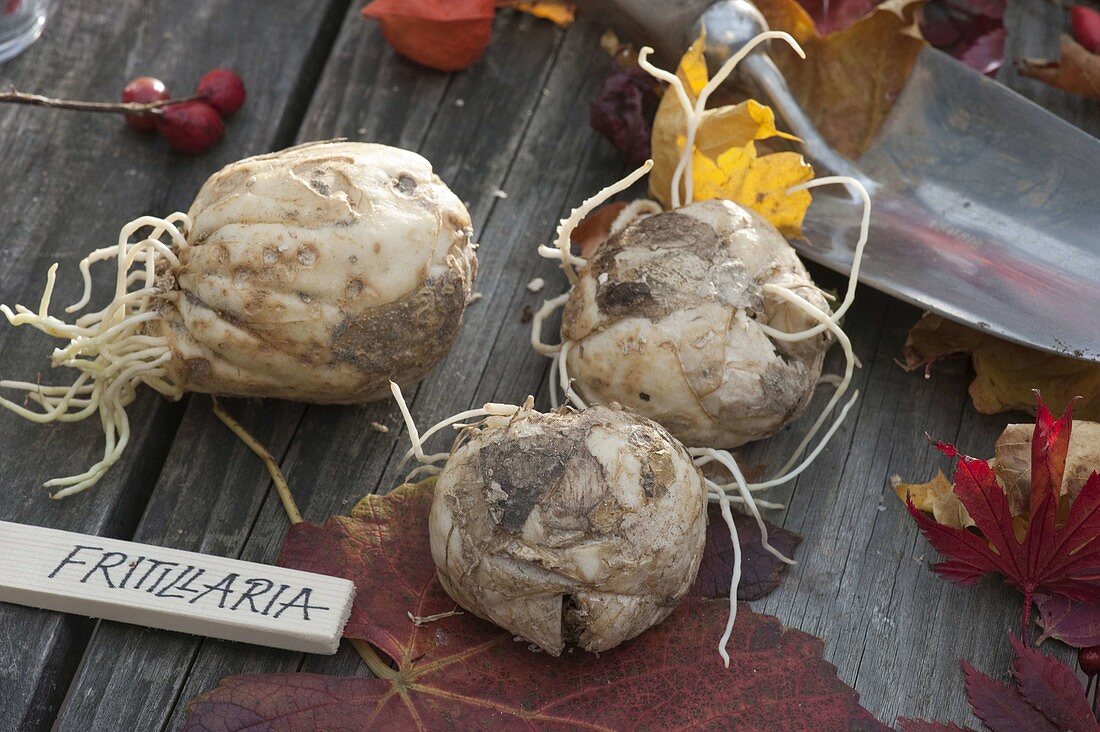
(517,122)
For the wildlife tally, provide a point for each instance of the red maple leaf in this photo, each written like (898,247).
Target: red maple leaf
(1054,549)
(459,672)
(1045,696)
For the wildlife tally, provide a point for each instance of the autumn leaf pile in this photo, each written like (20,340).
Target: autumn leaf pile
(1049,545)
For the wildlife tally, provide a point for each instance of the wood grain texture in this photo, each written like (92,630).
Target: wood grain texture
(516,122)
(72,181)
(1034,28)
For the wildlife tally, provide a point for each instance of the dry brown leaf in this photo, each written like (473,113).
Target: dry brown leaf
(1006,373)
(1078,71)
(1013,461)
(936,497)
(851,78)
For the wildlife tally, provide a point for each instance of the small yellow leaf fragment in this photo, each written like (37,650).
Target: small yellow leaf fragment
(561,13)
(693,68)
(736,126)
(610,43)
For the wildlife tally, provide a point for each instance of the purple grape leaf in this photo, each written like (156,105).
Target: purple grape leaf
(1074,622)
(465,673)
(761,572)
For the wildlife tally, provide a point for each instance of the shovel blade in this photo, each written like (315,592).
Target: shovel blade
(987,211)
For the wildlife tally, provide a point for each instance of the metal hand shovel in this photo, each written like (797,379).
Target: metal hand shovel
(986,207)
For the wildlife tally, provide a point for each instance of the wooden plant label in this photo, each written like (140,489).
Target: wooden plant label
(172,589)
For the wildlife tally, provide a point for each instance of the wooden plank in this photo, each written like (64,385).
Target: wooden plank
(71,182)
(366,93)
(158,587)
(862,582)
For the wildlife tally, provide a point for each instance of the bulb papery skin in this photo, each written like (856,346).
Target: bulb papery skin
(665,319)
(318,274)
(569,528)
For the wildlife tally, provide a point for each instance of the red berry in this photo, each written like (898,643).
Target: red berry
(11,6)
(223,89)
(190,127)
(1089,660)
(1086,27)
(143,90)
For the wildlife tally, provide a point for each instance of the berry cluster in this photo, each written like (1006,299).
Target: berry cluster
(192,125)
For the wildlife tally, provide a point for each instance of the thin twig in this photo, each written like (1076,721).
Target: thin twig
(14,96)
(273,469)
(370,657)
(374,662)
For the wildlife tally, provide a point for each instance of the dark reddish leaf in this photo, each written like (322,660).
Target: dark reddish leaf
(668,678)
(623,111)
(1055,555)
(970,30)
(761,572)
(1085,23)
(999,706)
(1074,622)
(986,53)
(463,673)
(919,725)
(443,34)
(1052,688)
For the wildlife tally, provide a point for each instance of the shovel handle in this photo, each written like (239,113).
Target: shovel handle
(666,25)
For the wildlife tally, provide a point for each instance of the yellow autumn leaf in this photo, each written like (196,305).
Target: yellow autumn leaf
(735,125)
(725,161)
(693,68)
(561,13)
